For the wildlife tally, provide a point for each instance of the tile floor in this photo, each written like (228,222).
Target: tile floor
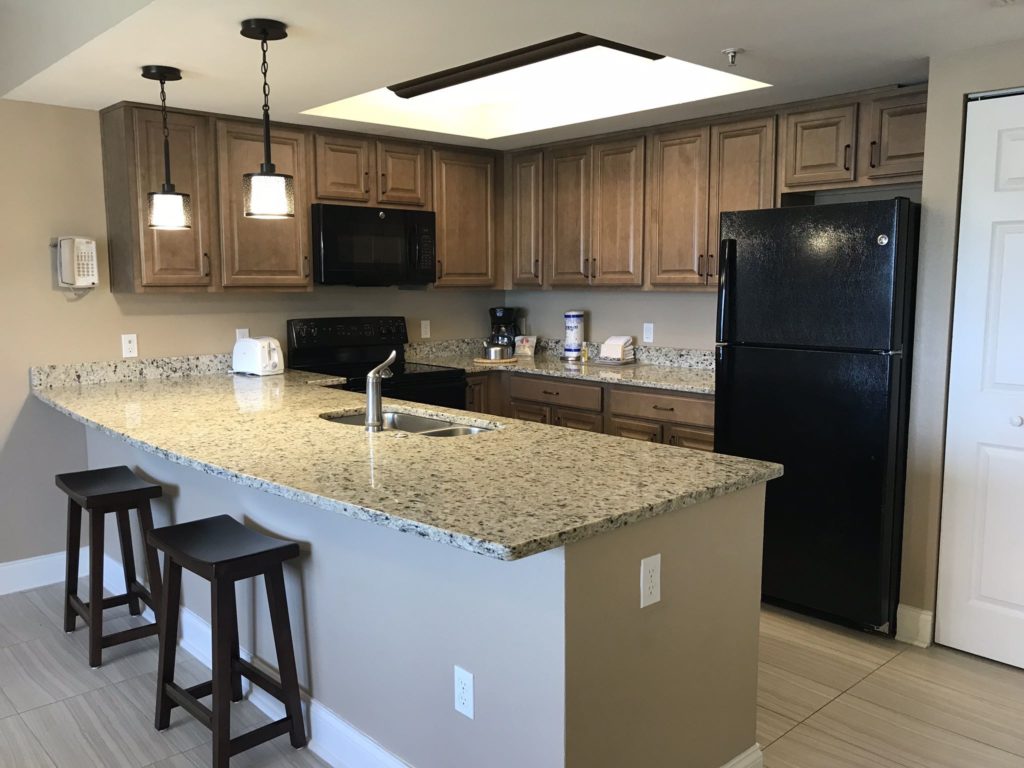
(827,698)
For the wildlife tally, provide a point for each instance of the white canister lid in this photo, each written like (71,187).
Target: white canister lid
(574,313)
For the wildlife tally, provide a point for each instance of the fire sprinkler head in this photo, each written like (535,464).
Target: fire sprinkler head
(732,53)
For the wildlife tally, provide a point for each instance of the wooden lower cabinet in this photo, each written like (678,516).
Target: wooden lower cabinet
(635,429)
(701,438)
(541,414)
(575,419)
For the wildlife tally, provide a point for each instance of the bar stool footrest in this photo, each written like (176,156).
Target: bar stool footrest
(188,699)
(258,676)
(257,736)
(127,635)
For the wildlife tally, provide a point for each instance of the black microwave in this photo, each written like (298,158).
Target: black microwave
(354,245)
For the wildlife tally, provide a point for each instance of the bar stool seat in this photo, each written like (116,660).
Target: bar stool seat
(100,492)
(223,551)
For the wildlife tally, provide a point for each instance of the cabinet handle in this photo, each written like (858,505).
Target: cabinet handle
(536,268)
(440,269)
(711,268)
(846,157)
(383,183)
(663,408)
(871,156)
(549,392)
(700,265)
(366,181)
(586,268)
(305,266)
(206,264)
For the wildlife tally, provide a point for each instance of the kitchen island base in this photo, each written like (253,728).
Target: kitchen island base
(569,671)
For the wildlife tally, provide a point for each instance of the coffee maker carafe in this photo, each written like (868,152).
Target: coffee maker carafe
(503,327)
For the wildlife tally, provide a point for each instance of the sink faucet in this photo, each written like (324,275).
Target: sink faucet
(374,419)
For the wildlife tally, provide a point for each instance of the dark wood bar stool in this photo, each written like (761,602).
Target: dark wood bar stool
(223,551)
(100,492)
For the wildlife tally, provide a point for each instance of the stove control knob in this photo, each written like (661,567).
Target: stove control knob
(1017,421)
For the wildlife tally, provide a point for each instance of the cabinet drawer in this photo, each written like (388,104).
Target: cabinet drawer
(690,437)
(671,408)
(634,429)
(573,419)
(557,392)
(530,412)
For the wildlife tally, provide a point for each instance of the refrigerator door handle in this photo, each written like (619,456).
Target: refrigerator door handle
(726,277)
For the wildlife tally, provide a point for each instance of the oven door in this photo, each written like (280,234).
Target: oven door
(372,246)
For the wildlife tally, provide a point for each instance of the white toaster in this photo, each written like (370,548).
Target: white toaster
(257,356)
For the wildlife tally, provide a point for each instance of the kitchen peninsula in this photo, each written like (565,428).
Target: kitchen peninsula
(522,568)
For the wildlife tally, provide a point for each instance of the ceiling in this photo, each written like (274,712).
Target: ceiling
(87,54)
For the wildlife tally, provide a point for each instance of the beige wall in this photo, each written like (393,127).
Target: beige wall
(680,319)
(52,184)
(951,78)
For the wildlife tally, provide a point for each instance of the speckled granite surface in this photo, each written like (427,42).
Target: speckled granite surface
(50,376)
(679,379)
(266,433)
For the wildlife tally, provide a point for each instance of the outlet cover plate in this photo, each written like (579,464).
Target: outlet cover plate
(424,329)
(648,333)
(650,580)
(129,345)
(241,333)
(464,692)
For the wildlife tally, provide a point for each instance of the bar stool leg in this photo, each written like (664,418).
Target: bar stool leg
(232,620)
(95,588)
(152,561)
(222,598)
(278,601)
(71,566)
(168,641)
(124,535)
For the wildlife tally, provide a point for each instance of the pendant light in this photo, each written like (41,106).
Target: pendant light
(267,194)
(167,209)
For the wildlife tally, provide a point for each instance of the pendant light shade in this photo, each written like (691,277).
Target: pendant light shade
(267,194)
(167,209)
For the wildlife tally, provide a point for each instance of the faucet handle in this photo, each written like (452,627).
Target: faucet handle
(383,370)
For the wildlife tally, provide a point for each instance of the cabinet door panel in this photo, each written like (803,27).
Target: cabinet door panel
(895,136)
(525,190)
(820,145)
(262,252)
(530,412)
(402,173)
(618,215)
(690,437)
(573,419)
(677,206)
(343,168)
(567,215)
(633,429)
(175,257)
(464,201)
(742,174)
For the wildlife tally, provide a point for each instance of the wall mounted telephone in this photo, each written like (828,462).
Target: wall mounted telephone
(76,262)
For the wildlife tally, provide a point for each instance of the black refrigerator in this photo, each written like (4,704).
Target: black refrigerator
(815,317)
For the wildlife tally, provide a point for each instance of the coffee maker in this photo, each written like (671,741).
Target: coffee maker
(503,327)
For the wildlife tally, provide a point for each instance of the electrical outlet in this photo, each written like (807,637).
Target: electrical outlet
(241,333)
(464,692)
(650,580)
(129,345)
(424,329)
(648,333)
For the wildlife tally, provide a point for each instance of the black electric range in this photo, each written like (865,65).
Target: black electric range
(349,347)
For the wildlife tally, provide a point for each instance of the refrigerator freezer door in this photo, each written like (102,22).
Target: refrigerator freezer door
(833,522)
(820,277)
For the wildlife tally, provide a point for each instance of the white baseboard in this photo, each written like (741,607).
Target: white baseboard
(32,572)
(752,758)
(914,626)
(332,739)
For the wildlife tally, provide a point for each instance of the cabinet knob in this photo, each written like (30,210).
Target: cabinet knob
(1017,421)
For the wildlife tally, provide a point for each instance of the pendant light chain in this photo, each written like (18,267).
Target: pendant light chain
(168,186)
(264,68)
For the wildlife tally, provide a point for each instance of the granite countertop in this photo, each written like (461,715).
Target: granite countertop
(563,485)
(677,378)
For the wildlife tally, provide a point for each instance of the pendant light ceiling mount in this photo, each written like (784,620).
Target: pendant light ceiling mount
(267,194)
(168,209)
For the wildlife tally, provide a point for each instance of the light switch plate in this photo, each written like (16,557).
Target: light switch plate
(648,333)
(650,580)
(424,329)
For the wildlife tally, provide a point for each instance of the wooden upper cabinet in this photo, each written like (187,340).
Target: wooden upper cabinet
(403,173)
(133,163)
(618,213)
(344,168)
(676,233)
(567,212)
(464,204)
(892,144)
(742,174)
(525,205)
(820,145)
(262,252)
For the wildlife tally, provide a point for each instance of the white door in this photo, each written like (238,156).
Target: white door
(981,553)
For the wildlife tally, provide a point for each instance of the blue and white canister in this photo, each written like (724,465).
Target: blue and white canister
(573,334)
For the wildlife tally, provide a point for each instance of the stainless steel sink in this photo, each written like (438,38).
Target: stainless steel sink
(458,430)
(408,422)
